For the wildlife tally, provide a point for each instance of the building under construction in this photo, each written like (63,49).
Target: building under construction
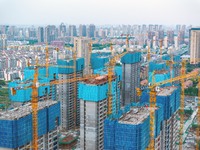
(130,128)
(67,92)
(169,98)
(16,126)
(130,76)
(93,109)
(20,91)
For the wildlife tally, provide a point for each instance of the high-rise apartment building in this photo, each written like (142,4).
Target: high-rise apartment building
(62,30)
(32,33)
(70,104)
(194,45)
(16,126)
(50,33)
(3,42)
(91,30)
(181,36)
(40,34)
(144,28)
(82,30)
(72,31)
(151,27)
(178,28)
(93,110)
(130,76)
(81,45)
(170,37)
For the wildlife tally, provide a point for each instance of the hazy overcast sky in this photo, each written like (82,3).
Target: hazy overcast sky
(42,12)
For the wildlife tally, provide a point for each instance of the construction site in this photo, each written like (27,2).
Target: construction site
(97,102)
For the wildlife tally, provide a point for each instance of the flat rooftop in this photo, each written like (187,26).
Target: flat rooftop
(161,71)
(24,110)
(166,91)
(135,116)
(98,80)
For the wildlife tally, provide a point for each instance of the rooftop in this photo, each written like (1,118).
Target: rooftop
(97,80)
(161,71)
(166,91)
(135,116)
(24,110)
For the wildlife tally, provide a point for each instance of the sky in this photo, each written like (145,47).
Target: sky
(101,12)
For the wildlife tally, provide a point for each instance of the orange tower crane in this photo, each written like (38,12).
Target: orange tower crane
(75,86)
(89,57)
(111,65)
(127,40)
(152,88)
(183,72)
(111,49)
(34,103)
(198,118)
(47,60)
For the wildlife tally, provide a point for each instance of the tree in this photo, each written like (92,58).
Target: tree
(2,82)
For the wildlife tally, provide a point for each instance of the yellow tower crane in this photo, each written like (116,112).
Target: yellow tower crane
(198,118)
(152,89)
(89,57)
(161,43)
(127,40)
(170,62)
(183,72)
(111,65)
(111,49)
(75,86)
(75,83)
(47,60)
(34,102)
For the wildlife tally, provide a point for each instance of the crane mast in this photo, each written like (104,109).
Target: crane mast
(47,60)
(152,88)
(110,78)
(183,72)
(198,118)
(34,104)
(75,87)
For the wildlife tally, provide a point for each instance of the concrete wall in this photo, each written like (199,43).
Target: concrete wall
(131,80)
(66,97)
(91,124)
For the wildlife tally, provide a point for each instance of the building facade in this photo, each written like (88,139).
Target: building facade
(70,104)
(194,45)
(130,77)
(81,45)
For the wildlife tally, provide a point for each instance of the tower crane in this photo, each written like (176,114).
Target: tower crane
(152,92)
(111,65)
(183,72)
(34,102)
(89,57)
(127,40)
(198,118)
(35,85)
(170,62)
(111,49)
(47,60)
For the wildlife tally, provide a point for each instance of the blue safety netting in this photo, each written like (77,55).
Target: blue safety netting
(18,132)
(63,64)
(131,58)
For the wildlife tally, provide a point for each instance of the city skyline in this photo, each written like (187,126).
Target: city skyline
(99,12)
